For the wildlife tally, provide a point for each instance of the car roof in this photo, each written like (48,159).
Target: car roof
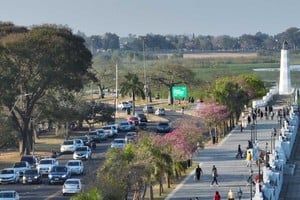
(74,161)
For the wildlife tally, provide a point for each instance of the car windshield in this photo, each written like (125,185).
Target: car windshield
(19,164)
(59,169)
(93,133)
(28,159)
(119,141)
(163,124)
(7,194)
(68,142)
(46,162)
(107,128)
(83,138)
(73,163)
(75,182)
(31,172)
(81,149)
(7,171)
(124,123)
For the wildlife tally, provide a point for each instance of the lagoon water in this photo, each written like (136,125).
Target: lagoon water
(292,68)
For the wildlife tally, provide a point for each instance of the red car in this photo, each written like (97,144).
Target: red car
(134,120)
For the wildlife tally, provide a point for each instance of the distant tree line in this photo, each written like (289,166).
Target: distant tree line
(155,42)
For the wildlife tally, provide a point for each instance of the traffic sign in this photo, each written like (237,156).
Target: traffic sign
(179,92)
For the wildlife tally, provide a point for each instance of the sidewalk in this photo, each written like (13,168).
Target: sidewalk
(233,173)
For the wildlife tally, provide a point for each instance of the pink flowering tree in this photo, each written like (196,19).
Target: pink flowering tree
(213,115)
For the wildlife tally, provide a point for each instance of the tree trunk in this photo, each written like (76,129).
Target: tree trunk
(170,96)
(151,191)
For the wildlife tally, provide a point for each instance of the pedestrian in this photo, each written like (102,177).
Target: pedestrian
(217,196)
(240,152)
(198,172)
(241,126)
(230,195)
(182,109)
(248,158)
(214,173)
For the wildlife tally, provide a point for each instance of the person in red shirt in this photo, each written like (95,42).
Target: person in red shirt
(217,196)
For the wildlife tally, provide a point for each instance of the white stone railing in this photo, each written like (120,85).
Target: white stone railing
(266,99)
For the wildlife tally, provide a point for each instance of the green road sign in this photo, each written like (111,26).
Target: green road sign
(179,92)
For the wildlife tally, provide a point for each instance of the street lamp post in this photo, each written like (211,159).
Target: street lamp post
(266,152)
(251,181)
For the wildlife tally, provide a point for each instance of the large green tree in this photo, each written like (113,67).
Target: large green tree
(43,59)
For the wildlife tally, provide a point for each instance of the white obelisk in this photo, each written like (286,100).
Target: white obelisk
(285,75)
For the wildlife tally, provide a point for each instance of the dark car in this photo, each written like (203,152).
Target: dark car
(31,159)
(142,117)
(163,127)
(142,125)
(148,109)
(31,176)
(94,136)
(59,174)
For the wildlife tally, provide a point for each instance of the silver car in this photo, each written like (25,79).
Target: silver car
(75,166)
(118,143)
(83,152)
(72,186)
(9,175)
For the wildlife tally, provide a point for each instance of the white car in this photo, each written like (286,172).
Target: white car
(9,175)
(21,166)
(72,186)
(70,145)
(110,130)
(83,152)
(160,111)
(9,195)
(75,166)
(45,165)
(125,126)
(118,143)
(124,105)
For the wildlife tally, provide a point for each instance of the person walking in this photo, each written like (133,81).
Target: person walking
(217,196)
(240,152)
(214,173)
(198,172)
(248,158)
(230,195)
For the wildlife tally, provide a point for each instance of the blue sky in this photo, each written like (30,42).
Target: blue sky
(139,17)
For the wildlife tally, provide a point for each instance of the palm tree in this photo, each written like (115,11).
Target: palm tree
(134,86)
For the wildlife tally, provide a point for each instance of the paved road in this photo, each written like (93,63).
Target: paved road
(233,173)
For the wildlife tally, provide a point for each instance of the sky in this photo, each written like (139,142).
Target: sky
(141,17)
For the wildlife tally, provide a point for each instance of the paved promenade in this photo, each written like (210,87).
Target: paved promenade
(233,173)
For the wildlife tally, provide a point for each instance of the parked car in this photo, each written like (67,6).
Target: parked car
(124,105)
(72,186)
(75,166)
(46,164)
(148,109)
(70,145)
(125,126)
(31,159)
(160,111)
(130,137)
(141,117)
(163,127)
(9,175)
(31,176)
(135,120)
(59,174)
(83,152)
(9,195)
(118,143)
